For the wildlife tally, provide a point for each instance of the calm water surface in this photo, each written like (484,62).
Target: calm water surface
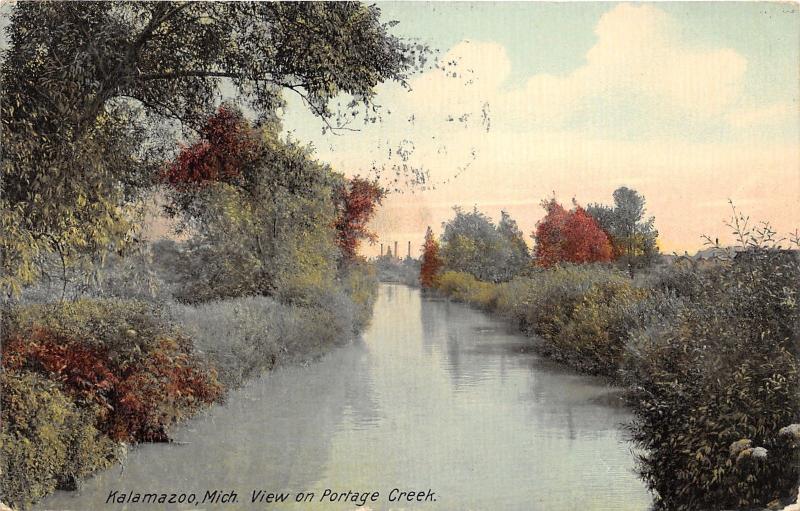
(435,396)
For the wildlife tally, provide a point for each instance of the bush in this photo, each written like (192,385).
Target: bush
(240,335)
(46,441)
(544,303)
(138,372)
(724,369)
(594,338)
(580,312)
(464,287)
(360,283)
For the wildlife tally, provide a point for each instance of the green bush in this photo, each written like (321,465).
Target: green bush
(579,311)
(360,283)
(248,335)
(46,441)
(125,327)
(723,369)
(464,287)
(543,303)
(241,335)
(594,338)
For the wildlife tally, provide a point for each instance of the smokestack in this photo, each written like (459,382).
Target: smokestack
(381,249)
(395,251)
(409,250)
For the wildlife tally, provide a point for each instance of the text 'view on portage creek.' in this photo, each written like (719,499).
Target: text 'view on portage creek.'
(437,256)
(211,497)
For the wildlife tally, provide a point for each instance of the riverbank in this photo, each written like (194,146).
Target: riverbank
(707,352)
(83,380)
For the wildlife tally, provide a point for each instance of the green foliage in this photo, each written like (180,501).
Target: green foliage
(723,368)
(268,234)
(360,282)
(246,336)
(633,237)
(544,303)
(90,88)
(594,338)
(463,287)
(582,313)
(471,243)
(46,441)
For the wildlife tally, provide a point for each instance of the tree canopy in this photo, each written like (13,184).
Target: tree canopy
(431,262)
(471,243)
(569,236)
(85,85)
(633,236)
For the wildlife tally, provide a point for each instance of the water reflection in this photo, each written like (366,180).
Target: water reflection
(435,395)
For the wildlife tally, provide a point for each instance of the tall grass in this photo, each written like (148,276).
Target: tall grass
(246,336)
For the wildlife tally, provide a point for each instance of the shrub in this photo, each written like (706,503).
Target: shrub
(463,287)
(360,283)
(240,335)
(46,441)
(544,305)
(138,372)
(724,369)
(578,311)
(594,338)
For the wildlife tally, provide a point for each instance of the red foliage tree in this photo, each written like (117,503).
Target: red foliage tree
(227,143)
(431,261)
(356,202)
(569,236)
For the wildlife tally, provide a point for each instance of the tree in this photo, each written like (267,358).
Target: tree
(515,257)
(471,243)
(431,262)
(356,202)
(261,211)
(633,237)
(549,234)
(86,86)
(569,236)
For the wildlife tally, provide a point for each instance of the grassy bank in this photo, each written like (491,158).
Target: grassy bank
(707,350)
(84,379)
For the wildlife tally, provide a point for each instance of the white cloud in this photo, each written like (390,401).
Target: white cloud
(638,54)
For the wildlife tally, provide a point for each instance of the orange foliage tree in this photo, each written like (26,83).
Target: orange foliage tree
(569,236)
(356,202)
(431,261)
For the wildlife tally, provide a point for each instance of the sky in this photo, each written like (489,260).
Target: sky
(691,104)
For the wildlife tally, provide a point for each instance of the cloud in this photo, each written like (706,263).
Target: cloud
(638,57)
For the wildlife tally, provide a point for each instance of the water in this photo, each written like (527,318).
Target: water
(436,396)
